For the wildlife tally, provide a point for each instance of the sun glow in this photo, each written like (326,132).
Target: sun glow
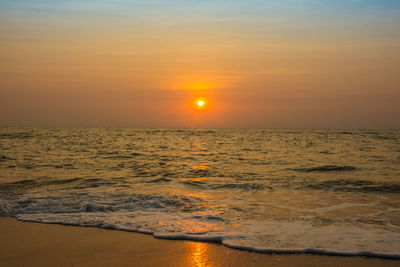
(200,103)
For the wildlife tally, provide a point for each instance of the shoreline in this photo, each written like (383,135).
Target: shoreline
(31,243)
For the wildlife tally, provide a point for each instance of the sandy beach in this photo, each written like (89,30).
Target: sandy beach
(35,244)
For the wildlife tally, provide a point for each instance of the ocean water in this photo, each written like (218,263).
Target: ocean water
(321,191)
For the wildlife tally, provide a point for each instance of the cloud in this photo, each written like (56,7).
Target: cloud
(285,71)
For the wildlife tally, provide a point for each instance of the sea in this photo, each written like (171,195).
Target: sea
(334,192)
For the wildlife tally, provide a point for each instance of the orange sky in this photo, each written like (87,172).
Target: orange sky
(292,64)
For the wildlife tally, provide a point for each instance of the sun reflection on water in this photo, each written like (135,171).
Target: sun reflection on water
(198,254)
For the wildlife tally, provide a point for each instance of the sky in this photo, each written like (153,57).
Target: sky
(144,63)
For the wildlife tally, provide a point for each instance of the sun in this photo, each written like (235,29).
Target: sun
(200,103)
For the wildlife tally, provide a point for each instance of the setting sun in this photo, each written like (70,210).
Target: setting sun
(201,104)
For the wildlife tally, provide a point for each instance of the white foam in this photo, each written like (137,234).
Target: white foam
(160,215)
(258,236)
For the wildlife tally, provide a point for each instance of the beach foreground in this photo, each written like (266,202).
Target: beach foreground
(35,244)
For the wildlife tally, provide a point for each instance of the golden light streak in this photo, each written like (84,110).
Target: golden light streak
(199,255)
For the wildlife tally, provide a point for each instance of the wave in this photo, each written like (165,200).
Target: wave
(21,135)
(5,158)
(45,183)
(315,251)
(119,157)
(189,217)
(238,239)
(82,202)
(346,132)
(355,186)
(228,186)
(158,180)
(32,183)
(33,166)
(326,168)
(244,186)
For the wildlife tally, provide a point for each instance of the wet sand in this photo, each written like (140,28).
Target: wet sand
(35,244)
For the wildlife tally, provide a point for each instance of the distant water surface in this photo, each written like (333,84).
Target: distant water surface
(323,191)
